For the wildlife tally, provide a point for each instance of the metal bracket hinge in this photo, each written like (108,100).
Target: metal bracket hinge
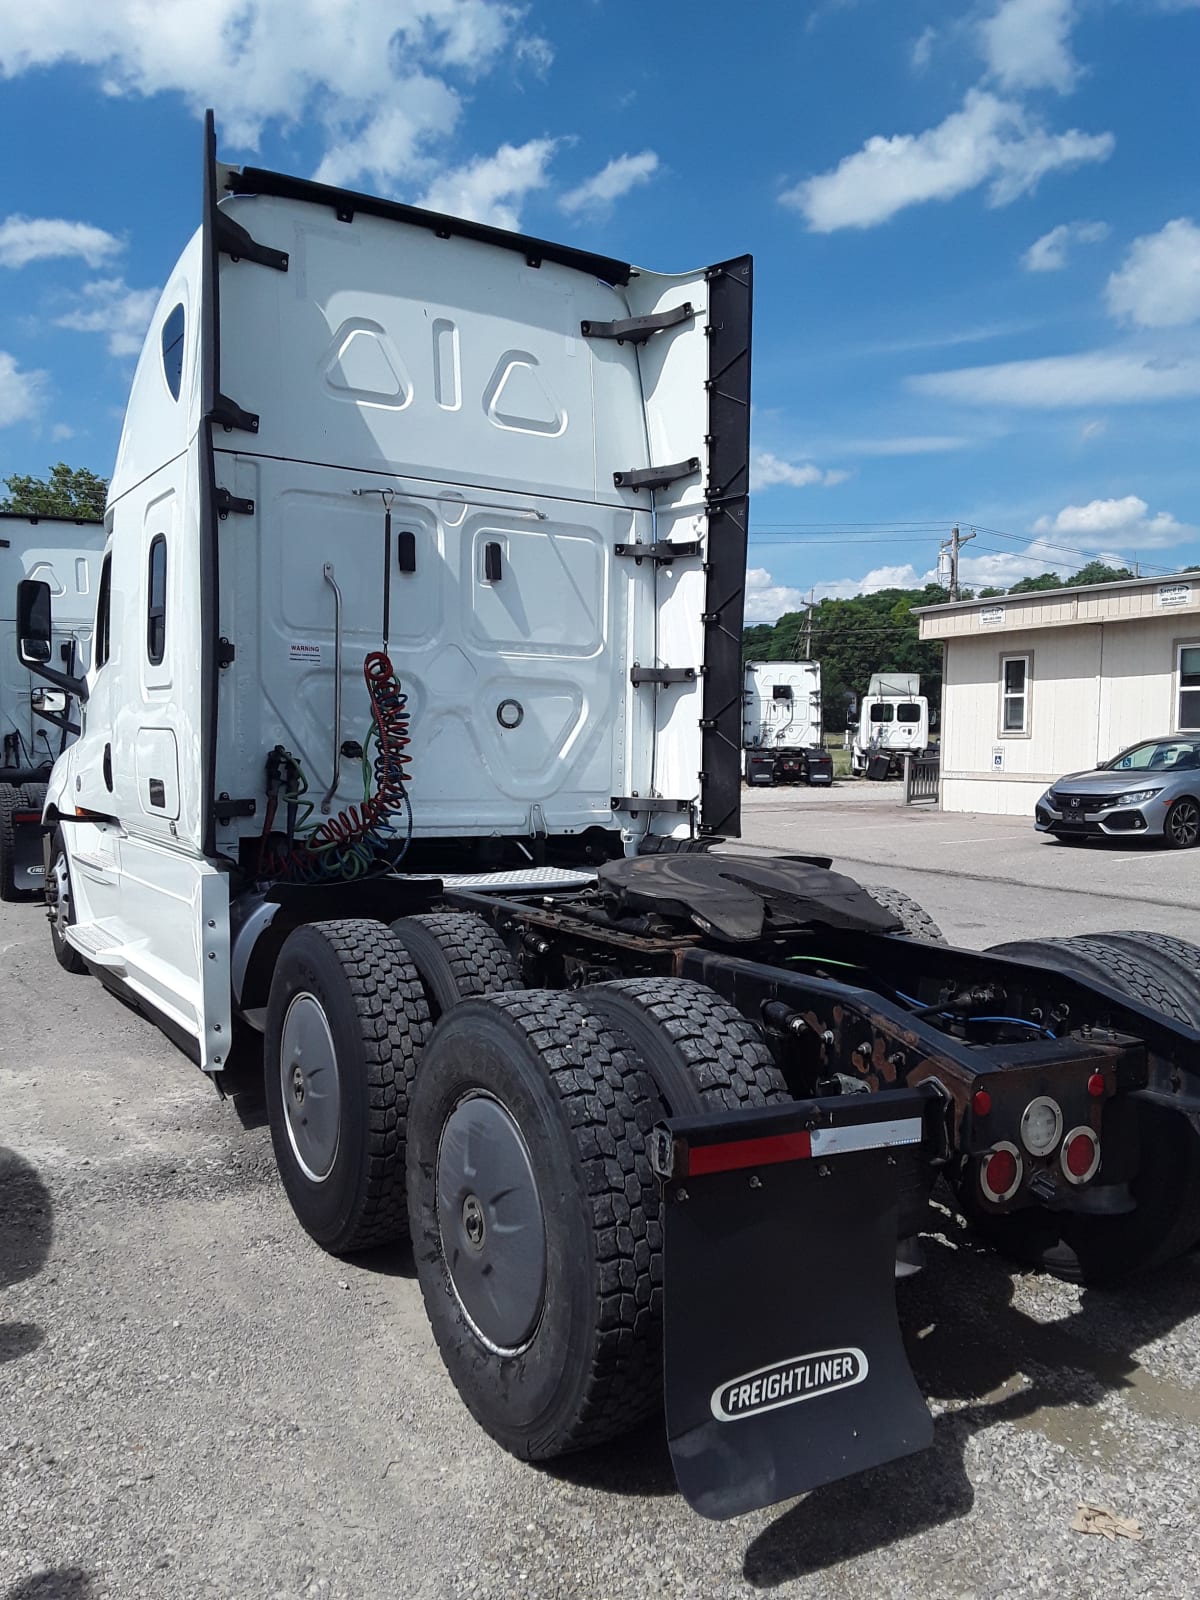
(226,652)
(636,330)
(660,550)
(639,675)
(226,809)
(656,477)
(651,802)
(227,502)
(228,414)
(234,241)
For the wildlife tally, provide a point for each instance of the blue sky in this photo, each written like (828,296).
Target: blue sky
(976,229)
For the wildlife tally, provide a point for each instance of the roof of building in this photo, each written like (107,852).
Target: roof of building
(1126,600)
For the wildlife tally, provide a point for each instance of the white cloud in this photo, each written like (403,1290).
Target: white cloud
(1159,284)
(492,188)
(931,444)
(1096,377)
(766,600)
(536,53)
(900,577)
(61,431)
(344,66)
(26,239)
(1125,522)
(109,306)
(1050,252)
(767,470)
(21,393)
(922,49)
(1001,569)
(599,192)
(989,141)
(1094,429)
(394,141)
(1027,44)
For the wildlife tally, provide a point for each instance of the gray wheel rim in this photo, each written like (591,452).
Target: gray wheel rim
(491,1223)
(1183,820)
(60,909)
(308,1080)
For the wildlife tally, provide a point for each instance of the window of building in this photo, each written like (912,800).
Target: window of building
(1187,708)
(156,601)
(1014,694)
(172,351)
(882,712)
(103,612)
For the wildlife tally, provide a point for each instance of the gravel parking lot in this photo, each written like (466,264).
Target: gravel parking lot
(195,1402)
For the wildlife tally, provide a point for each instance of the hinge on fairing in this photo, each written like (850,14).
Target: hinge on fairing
(639,675)
(656,477)
(226,652)
(227,502)
(659,550)
(228,414)
(636,330)
(225,809)
(234,241)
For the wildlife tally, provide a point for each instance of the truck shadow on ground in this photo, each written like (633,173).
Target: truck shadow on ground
(26,1232)
(63,1583)
(976,1353)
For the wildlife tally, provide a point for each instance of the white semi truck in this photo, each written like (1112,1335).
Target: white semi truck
(36,722)
(893,721)
(415,697)
(781,724)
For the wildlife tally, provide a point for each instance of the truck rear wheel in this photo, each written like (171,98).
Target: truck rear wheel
(346,1022)
(918,924)
(458,956)
(702,1054)
(1166,1221)
(60,905)
(535,1220)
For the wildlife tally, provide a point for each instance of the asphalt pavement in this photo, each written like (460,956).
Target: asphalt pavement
(197,1404)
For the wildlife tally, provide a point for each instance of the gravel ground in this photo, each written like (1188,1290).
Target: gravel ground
(195,1402)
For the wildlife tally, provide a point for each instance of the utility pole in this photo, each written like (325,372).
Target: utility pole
(812,596)
(951,547)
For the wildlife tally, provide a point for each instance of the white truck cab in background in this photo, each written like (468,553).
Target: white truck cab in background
(37,719)
(781,723)
(893,721)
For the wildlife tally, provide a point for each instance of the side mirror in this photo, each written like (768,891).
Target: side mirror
(34,639)
(33,622)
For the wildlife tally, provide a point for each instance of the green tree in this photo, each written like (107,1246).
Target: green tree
(1097,572)
(67,492)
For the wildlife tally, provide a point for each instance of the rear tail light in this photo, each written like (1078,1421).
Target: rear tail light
(1000,1173)
(1080,1155)
(1041,1126)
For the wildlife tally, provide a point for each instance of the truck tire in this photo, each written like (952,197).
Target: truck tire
(1175,961)
(701,1053)
(1166,1221)
(346,1023)
(535,1221)
(60,905)
(918,924)
(8,851)
(459,957)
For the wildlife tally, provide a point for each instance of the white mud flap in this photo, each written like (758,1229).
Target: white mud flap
(784,1366)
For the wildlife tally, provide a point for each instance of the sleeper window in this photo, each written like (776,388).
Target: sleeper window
(104,612)
(172,351)
(156,601)
(1014,694)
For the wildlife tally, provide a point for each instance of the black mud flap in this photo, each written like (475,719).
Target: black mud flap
(29,870)
(784,1367)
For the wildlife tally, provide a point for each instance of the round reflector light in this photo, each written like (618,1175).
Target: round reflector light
(1080,1155)
(1041,1125)
(1000,1172)
(981,1103)
(1096,1086)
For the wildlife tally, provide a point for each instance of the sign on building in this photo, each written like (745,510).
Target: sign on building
(1174,594)
(997,758)
(991,614)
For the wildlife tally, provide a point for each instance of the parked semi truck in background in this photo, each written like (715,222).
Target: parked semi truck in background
(893,721)
(781,724)
(416,696)
(35,720)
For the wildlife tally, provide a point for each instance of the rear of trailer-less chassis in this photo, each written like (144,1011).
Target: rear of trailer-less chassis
(736,1123)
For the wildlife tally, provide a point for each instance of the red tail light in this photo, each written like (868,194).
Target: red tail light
(1080,1156)
(1000,1173)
